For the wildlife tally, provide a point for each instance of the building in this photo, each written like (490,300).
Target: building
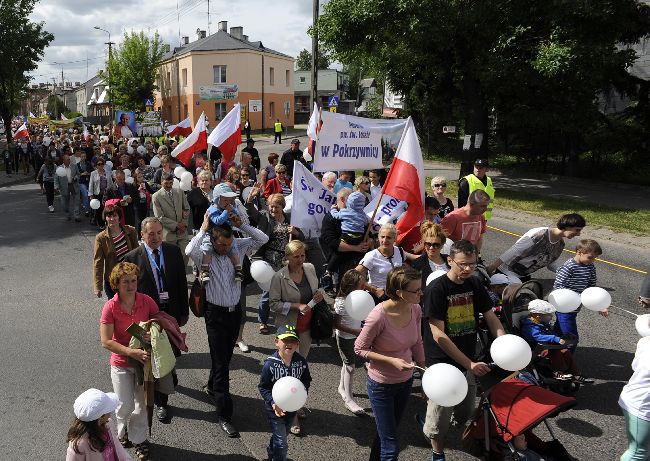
(393,102)
(331,82)
(84,93)
(98,110)
(214,73)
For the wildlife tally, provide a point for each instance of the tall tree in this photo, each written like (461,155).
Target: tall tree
(303,61)
(133,69)
(22,43)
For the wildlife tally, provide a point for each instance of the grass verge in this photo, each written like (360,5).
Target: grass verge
(617,219)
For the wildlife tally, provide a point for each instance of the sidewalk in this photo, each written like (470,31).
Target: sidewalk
(15,178)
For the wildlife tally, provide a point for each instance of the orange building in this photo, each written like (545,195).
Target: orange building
(214,73)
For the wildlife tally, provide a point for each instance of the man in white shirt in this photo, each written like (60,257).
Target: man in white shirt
(68,185)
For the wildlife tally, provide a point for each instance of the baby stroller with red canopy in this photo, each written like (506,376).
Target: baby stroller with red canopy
(511,409)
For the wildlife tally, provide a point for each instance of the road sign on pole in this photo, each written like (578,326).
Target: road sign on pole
(333,109)
(333,101)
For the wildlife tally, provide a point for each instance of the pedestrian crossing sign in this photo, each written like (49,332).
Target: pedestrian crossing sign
(333,101)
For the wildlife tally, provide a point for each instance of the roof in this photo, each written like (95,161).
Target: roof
(220,41)
(367,82)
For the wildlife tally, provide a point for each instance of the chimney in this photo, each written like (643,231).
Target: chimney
(223,25)
(237,32)
(185,41)
(202,34)
(245,37)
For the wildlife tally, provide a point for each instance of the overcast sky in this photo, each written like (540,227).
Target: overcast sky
(80,51)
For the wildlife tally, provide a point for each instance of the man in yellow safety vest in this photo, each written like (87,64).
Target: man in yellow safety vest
(479,180)
(277,130)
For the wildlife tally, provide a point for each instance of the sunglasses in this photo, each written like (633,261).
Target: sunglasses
(366,182)
(245,175)
(440,185)
(432,245)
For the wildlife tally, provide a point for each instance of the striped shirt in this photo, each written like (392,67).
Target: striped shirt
(575,276)
(120,245)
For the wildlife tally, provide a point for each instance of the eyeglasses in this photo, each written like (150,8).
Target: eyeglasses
(245,175)
(465,266)
(440,185)
(433,245)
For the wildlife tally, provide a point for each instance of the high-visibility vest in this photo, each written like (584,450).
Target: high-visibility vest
(476,184)
(278,127)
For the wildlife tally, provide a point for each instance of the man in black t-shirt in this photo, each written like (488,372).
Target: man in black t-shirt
(452,304)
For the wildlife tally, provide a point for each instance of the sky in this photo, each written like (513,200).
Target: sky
(80,50)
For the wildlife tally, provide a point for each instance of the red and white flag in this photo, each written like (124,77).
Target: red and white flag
(21,132)
(63,117)
(227,134)
(405,180)
(313,128)
(184,128)
(195,142)
(86,133)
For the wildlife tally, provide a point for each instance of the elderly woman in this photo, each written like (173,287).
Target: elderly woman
(377,263)
(433,239)
(439,186)
(294,289)
(275,224)
(100,180)
(280,184)
(111,245)
(127,307)
(200,197)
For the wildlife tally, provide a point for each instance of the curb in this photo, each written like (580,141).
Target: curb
(13,182)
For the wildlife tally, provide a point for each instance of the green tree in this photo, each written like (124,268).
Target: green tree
(303,61)
(528,71)
(55,106)
(133,69)
(22,43)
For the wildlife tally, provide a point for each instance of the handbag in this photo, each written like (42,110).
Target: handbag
(197,298)
(322,322)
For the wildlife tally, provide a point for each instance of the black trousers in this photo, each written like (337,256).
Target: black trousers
(222,328)
(277,137)
(49,192)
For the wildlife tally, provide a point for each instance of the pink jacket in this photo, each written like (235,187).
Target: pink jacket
(86,453)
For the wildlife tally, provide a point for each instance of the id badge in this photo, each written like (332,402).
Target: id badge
(163,296)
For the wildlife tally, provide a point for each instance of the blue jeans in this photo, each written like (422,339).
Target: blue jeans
(567,324)
(85,202)
(388,402)
(278,445)
(263,308)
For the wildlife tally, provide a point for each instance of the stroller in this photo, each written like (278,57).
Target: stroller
(510,409)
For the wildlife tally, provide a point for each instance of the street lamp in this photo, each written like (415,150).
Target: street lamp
(108,69)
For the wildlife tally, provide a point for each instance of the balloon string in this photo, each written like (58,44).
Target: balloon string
(419,368)
(624,310)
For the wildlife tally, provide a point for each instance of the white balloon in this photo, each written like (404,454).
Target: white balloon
(446,248)
(264,286)
(245,193)
(95,204)
(187,177)
(177,183)
(46,141)
(261,271)
(564,300)
(289,393)
(129,150)
(306,155)
(358,304)
(444,384)
(434,275)
(596,299)
(129,180)
(288,203)
(511,352)
(142,150)
(109,164)
(155,162)
(127,172)
(178,171)
(642,325)
(60,172)
(186,186)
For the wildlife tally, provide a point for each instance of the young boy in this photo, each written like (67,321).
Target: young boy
(223,203)
(343,181)
(577,274)
(285,362)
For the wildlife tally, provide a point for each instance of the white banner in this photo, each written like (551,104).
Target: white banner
(219,92)
(390,210)
(346,142)
(311,200)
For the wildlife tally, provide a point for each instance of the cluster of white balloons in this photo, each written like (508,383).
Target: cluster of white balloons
(594,298)
(262,273)
(289,393)
(185,176)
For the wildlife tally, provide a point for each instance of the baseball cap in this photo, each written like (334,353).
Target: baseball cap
(286,331)
(93,404)
(482,162)
(224,190)
(539,306)
(295,141)
(499,279)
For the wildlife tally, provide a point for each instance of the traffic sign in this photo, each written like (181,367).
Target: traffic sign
(333,101)
(333,109)
(148,102)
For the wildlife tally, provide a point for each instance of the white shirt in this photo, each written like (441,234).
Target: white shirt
(635,396)
(68,172)
(374,190)
(379,266)
(346,320)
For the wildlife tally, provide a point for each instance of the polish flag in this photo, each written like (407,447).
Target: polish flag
(313,128)
(405,180)
(32,115)
(63,117)
(86,134)
(184,128)
(227,134)
(195,142)
(21,132)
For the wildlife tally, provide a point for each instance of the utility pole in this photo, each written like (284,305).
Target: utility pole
(56,102)
(314,58)
(208,17)
(63,90)
(108,69)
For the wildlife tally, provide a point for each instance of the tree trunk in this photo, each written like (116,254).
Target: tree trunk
(476,122)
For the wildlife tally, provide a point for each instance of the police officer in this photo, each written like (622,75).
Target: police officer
(277,130)
(479,180)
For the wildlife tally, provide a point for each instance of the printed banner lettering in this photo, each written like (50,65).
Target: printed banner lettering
(390,210)
(346,142)
(311,200)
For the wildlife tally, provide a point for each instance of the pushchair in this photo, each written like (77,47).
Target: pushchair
(510,409)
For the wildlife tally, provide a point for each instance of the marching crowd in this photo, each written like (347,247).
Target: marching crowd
(152,219)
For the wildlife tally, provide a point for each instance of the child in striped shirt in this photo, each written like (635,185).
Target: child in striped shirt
(577,274)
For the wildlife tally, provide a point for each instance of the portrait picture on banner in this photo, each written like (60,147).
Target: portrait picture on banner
(125,126)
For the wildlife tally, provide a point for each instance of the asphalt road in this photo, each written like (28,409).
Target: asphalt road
(51,353)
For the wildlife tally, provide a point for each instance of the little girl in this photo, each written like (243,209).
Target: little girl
(347,330)
(92,436)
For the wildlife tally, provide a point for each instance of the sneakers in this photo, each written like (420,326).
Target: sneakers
(243,346)
(51,208)
(239,274)
(204,275)
(563,376)
(582,380)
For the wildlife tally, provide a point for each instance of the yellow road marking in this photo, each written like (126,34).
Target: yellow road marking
(573,252)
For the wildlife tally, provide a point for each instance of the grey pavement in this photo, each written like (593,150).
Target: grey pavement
(51,353)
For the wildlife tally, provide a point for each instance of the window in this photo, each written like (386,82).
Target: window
(184,77)
(220,110)
(219,74)
(271,76)
(303,79)
(286,77)
(272,109)
(169,78)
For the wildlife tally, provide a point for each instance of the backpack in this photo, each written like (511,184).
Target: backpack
(322,322)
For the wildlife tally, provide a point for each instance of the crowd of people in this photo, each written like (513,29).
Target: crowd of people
(149,229)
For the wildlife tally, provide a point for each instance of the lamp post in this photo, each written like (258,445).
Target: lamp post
(108,69)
